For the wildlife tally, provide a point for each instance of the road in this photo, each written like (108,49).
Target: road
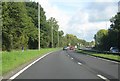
(71,65)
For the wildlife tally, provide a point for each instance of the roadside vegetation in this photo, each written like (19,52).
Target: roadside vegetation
(106,56)
(20,28)
(12,60)
(105,39)
(20,31)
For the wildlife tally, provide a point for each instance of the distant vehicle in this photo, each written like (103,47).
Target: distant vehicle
(65,48)
(72,47)
(75,47)
(114,50)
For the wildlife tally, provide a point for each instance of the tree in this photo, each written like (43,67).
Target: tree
(32,11)
(17,26)
(44,29)
(72,40)
(61,38)
(100,39)
(110,38)
(53,24)
(114,31)
(20,28)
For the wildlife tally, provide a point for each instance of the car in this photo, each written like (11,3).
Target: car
(114,49)
(65,48)
(72,48)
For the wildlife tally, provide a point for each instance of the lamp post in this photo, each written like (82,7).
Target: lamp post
(58,38)
(38,26)
(52,35)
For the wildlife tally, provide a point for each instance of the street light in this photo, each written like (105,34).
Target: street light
(38,26)
(52,35)
(58,38)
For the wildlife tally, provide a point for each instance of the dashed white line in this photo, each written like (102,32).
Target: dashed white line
(71,58)
(1,78)
(102,77)
(79,63)
(109,60)
(104,59)
(14,76)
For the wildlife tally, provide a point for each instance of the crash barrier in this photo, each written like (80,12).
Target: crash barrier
(96,51)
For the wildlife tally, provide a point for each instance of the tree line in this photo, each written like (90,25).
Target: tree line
(20,28)
(104,39)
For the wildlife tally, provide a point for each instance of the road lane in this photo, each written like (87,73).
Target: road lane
(57,65)
(99,66)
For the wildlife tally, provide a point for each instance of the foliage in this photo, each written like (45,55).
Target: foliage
(100,39)
(114,31)
(20,28)
(16,25)
(104,39)
(102,55)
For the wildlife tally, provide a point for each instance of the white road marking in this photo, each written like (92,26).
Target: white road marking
(71,58)
(1,78)
(105,59)
(109,60)
(79,63)
(14,76)
(102,77)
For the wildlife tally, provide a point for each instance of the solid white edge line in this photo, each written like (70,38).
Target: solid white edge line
(79,63)
(109,60)
(105,59)
(18,73)
(102,77)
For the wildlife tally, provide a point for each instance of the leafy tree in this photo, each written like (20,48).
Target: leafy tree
(61,38)
(110,38)
(53,24)
(32,11)
(20,28)
(100,39)
(17,25)
(114,31)
(45,29)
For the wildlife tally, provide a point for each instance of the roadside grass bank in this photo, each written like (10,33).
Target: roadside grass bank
(105,56)
(12,60)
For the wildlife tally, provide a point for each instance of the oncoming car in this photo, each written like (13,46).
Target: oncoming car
(72,47)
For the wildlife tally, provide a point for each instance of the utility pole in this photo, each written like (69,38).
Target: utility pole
(58,38)
(38,26)
(52,35)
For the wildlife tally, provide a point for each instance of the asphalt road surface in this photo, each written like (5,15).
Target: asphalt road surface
(71,65)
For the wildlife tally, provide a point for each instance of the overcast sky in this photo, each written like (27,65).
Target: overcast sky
(82,18)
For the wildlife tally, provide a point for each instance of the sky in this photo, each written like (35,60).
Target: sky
(82,18)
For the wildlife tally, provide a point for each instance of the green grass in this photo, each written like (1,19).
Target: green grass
(13,59)
(107,56)
(114,57)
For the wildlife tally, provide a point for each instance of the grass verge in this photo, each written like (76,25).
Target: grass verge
(106,56)
(13,59)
